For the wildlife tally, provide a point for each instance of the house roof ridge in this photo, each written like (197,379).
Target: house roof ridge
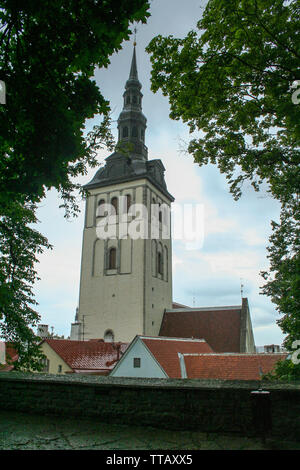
(204,309)
(242,354)
(175,338)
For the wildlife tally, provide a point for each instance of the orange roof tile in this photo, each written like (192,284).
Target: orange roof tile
(88,355)
(165,351)
(242,366)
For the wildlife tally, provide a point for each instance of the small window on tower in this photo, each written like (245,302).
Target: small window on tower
(159,263)
(125,131)
(114,203)
(136,362)
(112,260)
(134,100)
(128,99)
(128,202)
(109,336)
(100,209)
(134,132)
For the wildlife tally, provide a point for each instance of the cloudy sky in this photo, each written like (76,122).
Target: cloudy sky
(235,233)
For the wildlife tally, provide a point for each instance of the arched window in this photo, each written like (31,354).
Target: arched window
(109,336)
(160,263)
(114,203)
(134,100)
(134,132)
(159,213)
(112,258)
(128,99)
(125,131)
(128,202)
(142,134)
(166,263)
(154,258)
(100,208)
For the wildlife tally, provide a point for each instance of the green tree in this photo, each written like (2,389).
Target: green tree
(48,54)
(19,246)
(231,81)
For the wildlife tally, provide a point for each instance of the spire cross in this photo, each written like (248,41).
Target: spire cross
(135,31)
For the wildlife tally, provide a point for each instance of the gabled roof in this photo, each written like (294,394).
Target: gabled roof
(165,351)
(230,366)
(88,355)
(224,328)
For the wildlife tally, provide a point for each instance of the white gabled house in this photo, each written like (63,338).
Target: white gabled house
(156,357)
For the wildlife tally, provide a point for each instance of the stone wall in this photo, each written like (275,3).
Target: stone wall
(212,406)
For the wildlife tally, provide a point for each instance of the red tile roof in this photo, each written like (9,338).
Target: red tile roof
(177,305)
(95,355)
(230,366)
(221,328)
(11,355)
(165,351)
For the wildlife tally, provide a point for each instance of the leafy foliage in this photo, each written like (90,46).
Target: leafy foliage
(19,246)
(284,371)
(48,54)
(231,82)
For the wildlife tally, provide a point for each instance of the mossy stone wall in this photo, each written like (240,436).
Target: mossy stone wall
(209,406)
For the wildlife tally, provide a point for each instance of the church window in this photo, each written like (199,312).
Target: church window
(154,259)
(142,134)
(159,263)
(125,131)
(114,203)
(109,336)
(134,100)
(100,210)
(112,259)
(128,99)
(136,362)
(134,132)
(160,214)
(166,263)
(128,202)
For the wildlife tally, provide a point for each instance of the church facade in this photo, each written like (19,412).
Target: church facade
(126,266)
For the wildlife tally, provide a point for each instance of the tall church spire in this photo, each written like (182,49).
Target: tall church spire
(132,122)
(133,70)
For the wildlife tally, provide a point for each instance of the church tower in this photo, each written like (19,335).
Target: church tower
(126,265)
